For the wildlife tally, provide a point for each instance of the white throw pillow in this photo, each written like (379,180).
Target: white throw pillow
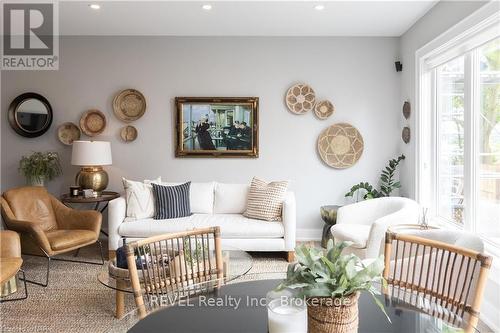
(139,198)
(201,196)
(231,198)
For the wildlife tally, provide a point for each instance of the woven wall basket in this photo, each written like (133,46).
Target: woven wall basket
(328,316)
(128,133)
(129,105)
(300,98)
(340,146)
(93,122)
(324,109)
(68,132)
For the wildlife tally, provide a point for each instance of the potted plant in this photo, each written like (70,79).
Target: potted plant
(387,183)
(331,284)
(39,167)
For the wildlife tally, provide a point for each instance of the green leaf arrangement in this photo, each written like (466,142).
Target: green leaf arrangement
(195,254)
(328,273)
(387,182)
(40,166)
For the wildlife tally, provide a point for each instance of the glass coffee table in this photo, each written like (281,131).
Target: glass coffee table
(236,264)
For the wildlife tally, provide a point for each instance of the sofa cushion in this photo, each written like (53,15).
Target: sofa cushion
(65,239)
(201,196)
(350,232)
(10,267)
(231,225)
(230,198)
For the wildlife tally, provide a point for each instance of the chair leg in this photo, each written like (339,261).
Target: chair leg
(25,290)
(49,258)
(46,276)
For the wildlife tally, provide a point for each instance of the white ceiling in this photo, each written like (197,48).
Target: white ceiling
(241,18)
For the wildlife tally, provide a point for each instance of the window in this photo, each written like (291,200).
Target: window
(450,140)
(488,140)
(458,144)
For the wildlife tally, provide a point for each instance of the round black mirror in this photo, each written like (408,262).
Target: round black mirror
(30,115)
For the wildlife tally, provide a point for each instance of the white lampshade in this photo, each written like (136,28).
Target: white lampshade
(91,153)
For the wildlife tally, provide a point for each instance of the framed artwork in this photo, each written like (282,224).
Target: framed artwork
(217,127)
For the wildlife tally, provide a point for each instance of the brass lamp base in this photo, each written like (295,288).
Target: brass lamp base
(94,178)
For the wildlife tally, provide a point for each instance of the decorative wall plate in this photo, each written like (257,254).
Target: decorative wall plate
(128,133)
(324,109)
(406,134)
(406,110)
(93,122)
(340,145)
(300,98)
(129,105)
(68,132)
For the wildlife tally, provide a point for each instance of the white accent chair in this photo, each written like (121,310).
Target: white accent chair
(453,237)
(365,223)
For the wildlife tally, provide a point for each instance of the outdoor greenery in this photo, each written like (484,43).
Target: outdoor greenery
(38,166)
(196,254)
(490,102)
(328,273)
(489,117)
(387,183)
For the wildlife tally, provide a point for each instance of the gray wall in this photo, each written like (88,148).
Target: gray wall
(440,18)
(357,74)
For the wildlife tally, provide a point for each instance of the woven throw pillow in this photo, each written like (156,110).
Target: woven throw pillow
(171,201)
(139,198)
(265,200)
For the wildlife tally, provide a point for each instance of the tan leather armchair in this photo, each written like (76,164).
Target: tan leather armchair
(47,226)
(10,259)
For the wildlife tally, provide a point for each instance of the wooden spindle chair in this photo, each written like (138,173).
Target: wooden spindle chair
(174,264)
(450,277)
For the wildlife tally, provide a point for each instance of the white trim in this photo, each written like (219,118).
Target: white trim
(469,166)
(470,39)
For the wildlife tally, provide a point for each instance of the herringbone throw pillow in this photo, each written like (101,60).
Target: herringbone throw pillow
(265,200)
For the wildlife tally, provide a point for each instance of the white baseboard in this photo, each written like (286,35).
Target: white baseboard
(309,234)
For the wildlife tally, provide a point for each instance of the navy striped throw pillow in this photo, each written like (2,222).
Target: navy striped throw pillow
(171,201)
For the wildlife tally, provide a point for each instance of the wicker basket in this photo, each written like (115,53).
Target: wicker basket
(328,315)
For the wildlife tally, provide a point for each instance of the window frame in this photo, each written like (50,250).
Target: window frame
(464,39)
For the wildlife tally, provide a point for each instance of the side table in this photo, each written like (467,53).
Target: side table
(329,216)
(105,198)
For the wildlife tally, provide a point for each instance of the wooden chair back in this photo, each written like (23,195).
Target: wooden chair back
(173,263)
(451,277)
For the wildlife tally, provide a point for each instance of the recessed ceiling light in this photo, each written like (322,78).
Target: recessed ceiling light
(95,6)
(206,7)
(319,7)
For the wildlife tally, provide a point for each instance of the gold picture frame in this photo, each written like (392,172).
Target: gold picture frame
(217,127)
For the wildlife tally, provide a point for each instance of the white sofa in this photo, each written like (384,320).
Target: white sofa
(365,223)
(212,204)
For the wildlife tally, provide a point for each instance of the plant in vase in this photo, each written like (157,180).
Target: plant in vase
(39,167)
(331,283)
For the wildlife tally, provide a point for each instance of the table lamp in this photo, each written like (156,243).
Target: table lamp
(91,156)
